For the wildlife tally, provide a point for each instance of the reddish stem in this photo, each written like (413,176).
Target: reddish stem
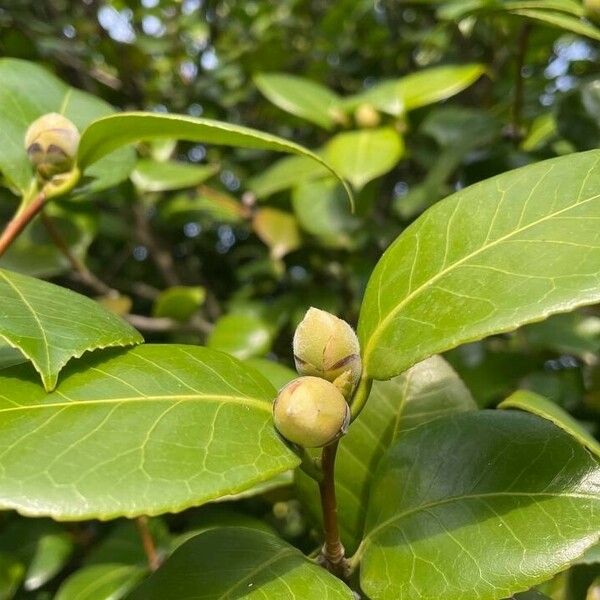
(332,553)
(21,219)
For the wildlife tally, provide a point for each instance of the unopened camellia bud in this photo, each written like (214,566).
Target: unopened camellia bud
(592,9)
(51,143)
(367,116)
(311,412)
(326,346)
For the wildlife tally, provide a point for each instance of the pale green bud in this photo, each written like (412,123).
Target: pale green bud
(311,412)
(326,346)
(592,9)
(366,115)
(51,143)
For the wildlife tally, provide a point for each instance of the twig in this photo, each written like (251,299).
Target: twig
(162,258)
(20,220)
(148,543)
(163,324)
(333,553)
(83,273)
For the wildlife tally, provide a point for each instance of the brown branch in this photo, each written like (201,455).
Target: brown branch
(20,220)
(82,272)
(148,543)
(166,325)
(333,553)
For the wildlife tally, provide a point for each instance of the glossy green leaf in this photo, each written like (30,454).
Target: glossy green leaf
(285,173)
(300,96)
(278,230)
(321,210)
(360,156)
(160,176)
(506,498)
(278,375)
(560,20)
(205,201)
(237,562)
(418,89)
(28,91)
(107,134)
(540,406)
(10,356)
(569,6)
(51,555)
(571,333)
(541,130)
(426,392)
(510,250)
(242,336)
(132,432)
(179,302)
(110,581)
(11,575)
(591,557)
(51,325)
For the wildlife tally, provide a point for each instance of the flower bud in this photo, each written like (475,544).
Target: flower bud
(592,9)
(367,116)
(327,347)
(51,143)
(311,412)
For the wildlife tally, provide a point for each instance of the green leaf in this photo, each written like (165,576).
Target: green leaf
(9,356)
(11,575)
(569,6)
(278,375)
(51,555)
(238,562)
(320,208)
(101,582)
(107,134)
(51,325)
(29,91)
(591,557)
(160,176)
(360,156)
(569,333)
(561,20)
(136,432)
(426,392)
(507,251)
(453,490)
(418,89)
(300,97)
(285,173)
(179,302)
(242,336)
(278,230)
(542,129)
(540,406)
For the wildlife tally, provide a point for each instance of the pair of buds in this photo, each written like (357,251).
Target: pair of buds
(312,410)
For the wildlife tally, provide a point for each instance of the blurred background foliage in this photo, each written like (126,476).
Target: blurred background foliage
(229,247)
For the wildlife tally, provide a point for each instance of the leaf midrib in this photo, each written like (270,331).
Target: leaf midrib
(377,332)
(436,503)
(244,401)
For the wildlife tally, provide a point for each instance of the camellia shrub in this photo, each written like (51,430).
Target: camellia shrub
(371,469)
